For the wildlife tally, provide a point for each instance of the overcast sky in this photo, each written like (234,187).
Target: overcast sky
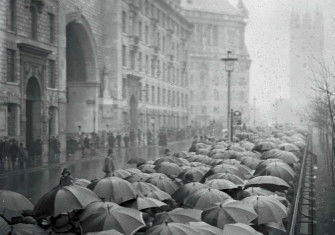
(267,38)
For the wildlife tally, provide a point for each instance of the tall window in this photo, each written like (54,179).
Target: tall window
(51,27)
(152,94)
(11,17)
(215,35)
(124,22)
(11,65)
(52,77)
(140,30)
(34,22)
(146,34)
(158,95)
(147,64)
(164,97)
(124,55)
(140,61)
(12,118)
(124,88)
(147,93)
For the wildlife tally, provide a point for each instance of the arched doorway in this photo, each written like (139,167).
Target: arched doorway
(133,113)
(33,113)
(82,87)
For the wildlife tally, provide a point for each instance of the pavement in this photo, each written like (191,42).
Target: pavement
(35,181)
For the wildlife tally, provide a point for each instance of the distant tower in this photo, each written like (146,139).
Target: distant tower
(306,50)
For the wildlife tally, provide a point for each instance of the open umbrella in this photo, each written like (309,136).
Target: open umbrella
(137,160)
(115,189)
(269,209)
(178,215)
(239,229)
(187,190)
(170,169)
(272,228)
(278,169)
(121,173)
(286,156)
(107,232)
(271,183)
(172,228)
(193,174)
(250,162)
(289,147)
(221,184)
(100,216)
(12,203)
(63,200)
(205,198)
(258,191)
(144,187)
(4,227)
(142,203)
(81,182)
(158,194)
(205,228)
(264,146)
(28,229)
(225,168)
(228,176)
(229,212)
(141,177)
(147,168)
(164,183)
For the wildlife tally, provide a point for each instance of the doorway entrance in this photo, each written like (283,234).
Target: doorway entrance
(33,115)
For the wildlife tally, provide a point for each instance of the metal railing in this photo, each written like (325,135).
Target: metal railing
(302,221)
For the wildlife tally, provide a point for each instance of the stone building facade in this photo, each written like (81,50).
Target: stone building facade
(218,27)
(87,65)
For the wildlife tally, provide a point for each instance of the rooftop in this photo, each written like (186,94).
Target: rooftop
(212,6)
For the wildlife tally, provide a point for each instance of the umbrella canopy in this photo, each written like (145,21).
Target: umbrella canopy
(250,162)
(205,198)
(172,228)
(100,216)
(228,176)
(159,195)
(187,190)
(142,203)
(193,174)
(289,147)
(205,229)
(81,182)
(286,156)
(258,191)
(144,187)
(277,169)
(178,215)
(221,184)
(64,199)
(137,160)
(121,173)
(170,169)
(4,227)
(271,183)
(229,212)
(225,168)
(269,209)
(133,171)
(12,203)
(28,229)
(166,184)
(239,229)
(147,168)
(115,189)
(274,228)
(264,146)
(107,232)
(141,177)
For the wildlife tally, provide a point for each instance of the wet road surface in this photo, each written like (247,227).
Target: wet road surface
(34,182)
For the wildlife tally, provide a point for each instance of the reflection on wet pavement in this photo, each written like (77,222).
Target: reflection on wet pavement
(34,182)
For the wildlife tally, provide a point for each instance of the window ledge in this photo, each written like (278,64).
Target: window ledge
(12,83)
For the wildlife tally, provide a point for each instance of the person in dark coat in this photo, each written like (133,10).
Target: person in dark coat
(132,137)
(118,139)
(109,166)
(126,140)
(13,152)
(111,141)
(22,155)
(66,178)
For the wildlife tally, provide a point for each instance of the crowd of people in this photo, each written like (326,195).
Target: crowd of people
(244,187)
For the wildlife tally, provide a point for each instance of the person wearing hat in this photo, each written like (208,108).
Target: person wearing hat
(109,166)
(66,178)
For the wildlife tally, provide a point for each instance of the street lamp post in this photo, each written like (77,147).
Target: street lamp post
(229,67)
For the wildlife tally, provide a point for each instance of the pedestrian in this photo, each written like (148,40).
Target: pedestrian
(126,140)
(109,166)
(167,152)
(66,179)
(111,141)
(132,137)
(139,136)
(118,139)
(13,152)
(22,155)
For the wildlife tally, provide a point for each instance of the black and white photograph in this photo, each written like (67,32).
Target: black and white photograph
(167,117)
